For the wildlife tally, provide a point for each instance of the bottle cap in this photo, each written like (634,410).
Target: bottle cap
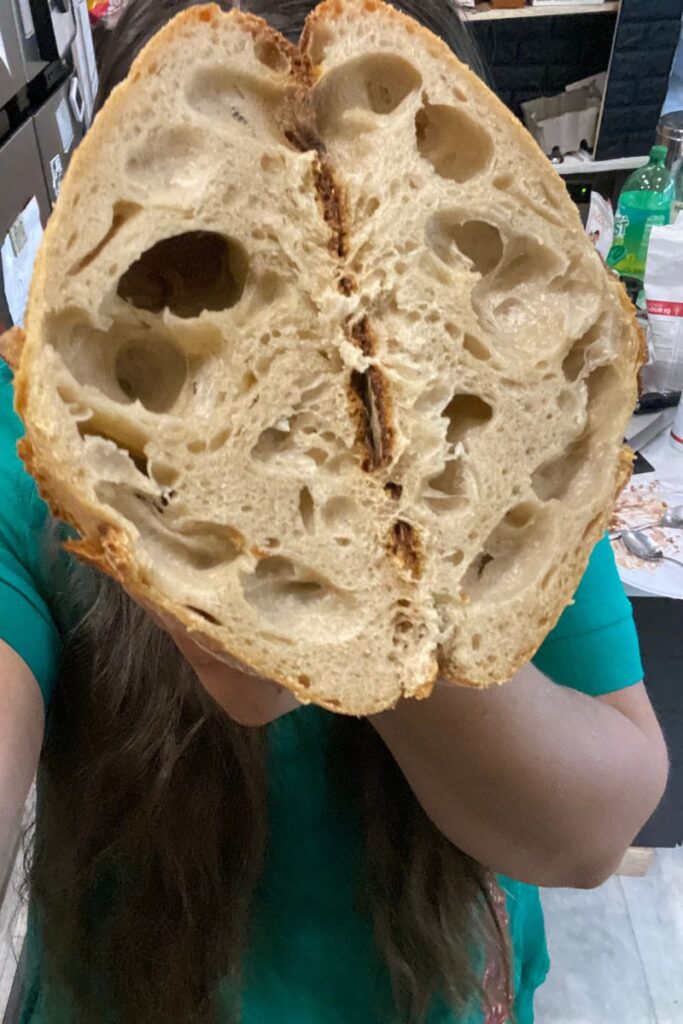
(658,154)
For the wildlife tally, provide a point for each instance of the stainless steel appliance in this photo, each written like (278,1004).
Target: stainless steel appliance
(45,56)
(12,73)
(59,125)
(46,30)
(21,174)
(55,27)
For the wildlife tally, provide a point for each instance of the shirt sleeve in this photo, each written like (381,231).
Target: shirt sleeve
(594,647)
(26,624)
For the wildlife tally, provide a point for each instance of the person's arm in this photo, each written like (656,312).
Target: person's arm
(21,735)
(536,781)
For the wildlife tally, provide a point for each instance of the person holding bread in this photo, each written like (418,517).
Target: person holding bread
(213,843)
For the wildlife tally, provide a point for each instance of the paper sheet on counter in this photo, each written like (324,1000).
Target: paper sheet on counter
(643,501)
(19,250)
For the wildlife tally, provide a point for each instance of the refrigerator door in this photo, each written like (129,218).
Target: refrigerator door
(83,53)
(12,75)
(55,26)
(24,209)
(33,62)
(60,126)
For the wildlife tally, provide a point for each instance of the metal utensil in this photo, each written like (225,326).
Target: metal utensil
(671,520)
(639,544)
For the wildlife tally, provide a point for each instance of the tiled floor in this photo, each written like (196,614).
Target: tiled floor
(12,930)
(617,951)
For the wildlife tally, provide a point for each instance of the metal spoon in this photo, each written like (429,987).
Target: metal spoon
(639,544)
(671,520)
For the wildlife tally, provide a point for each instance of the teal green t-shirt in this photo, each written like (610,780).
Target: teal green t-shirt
(313,959)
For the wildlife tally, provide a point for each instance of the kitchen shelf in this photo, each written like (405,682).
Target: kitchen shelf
(577,165)
(483,12)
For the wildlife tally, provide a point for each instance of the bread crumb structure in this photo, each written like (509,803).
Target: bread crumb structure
(320,362)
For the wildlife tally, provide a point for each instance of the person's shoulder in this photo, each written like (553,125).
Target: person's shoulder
(600,599)
(11,431)
(10,424)
(26,623)
(22,511)
(594,646)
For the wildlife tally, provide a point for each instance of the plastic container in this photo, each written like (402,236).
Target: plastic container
(645,202)
(670,134)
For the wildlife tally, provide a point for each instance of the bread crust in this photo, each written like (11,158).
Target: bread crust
(107,546)
(11,346)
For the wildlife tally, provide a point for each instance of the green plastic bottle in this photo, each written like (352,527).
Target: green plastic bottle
(646,201)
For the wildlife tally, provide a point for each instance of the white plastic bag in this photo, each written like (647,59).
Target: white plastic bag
(600,224)
(664,297)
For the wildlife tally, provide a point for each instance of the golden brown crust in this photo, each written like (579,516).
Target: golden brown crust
(11,346)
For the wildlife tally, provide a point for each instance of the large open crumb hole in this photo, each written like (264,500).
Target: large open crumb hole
(465,413)
(243,104)
(271,53)
(220,439)
(295,438)
(512,557)
(307,509)
(207,545)
(605,389)
(123,364)
(374,84)
(152,372)
(519,296)
(479,242)
(448,490)
(476,348)
(522,515)
(455,145)
(181,546)
(555,478)
(527,261)
(163,474)
(132,444)
(272,442)
(297,601)
(187,274)
(594,347)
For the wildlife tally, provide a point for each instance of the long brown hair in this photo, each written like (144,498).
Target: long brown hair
(152,811)
(151,829)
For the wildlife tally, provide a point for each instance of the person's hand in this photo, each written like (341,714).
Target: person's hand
(247,699)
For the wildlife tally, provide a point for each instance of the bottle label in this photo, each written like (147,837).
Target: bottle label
(621,223)
(656,307)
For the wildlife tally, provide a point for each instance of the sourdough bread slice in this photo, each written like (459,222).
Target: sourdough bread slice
(319,360)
